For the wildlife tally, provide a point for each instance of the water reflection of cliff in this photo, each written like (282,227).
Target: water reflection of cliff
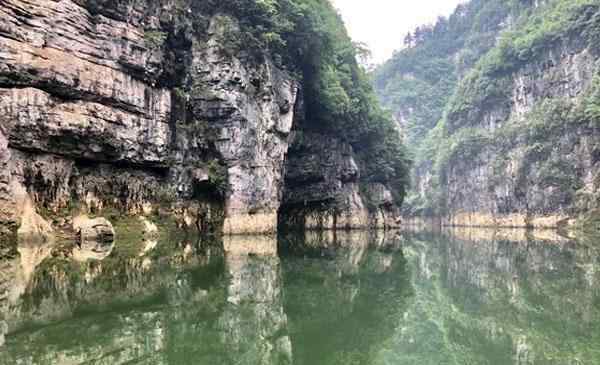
(344,294)
(328,300)
(253,324)
(508,297)
(456,297)
(216,307)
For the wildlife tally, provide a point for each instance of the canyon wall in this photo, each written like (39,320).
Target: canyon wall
(142,107)
(91,114)
(513,139)
(534,160)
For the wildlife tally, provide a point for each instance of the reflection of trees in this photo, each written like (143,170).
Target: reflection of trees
(500,299)
(343,311)
(472,297)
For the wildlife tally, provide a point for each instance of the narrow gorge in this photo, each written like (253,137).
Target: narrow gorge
(267,182)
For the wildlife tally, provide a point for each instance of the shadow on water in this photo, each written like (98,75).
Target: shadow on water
(454,297)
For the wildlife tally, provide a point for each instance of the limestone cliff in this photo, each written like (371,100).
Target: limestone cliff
(91,114)
(155,106)
(323,187)
(513,141)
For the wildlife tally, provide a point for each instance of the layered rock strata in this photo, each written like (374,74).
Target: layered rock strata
(138,109)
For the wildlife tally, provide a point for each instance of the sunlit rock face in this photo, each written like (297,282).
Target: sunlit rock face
(142,107)
(502,297)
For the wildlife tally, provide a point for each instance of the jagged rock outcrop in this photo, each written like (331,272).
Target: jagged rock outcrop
(134,107)
(253,109)
(322,175)
(157,106)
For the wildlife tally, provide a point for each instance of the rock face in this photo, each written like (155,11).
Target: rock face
(138,107)
(252,109)
(321,173)
(161,106)
(518,143)
(540,166)
(322,188)
(4,180)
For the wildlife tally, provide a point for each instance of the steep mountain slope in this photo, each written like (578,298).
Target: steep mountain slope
(511,138)
(182,108)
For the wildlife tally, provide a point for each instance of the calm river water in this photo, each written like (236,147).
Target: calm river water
(452,297)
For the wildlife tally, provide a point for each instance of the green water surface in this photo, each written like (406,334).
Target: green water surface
(464,297)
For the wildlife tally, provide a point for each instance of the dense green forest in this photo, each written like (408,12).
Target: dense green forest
(420,80)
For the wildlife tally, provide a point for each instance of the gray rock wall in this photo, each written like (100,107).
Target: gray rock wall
(520,153)
(323,188)
(539,165)
(92,110)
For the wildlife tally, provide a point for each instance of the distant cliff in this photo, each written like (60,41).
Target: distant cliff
(187,109)
(499,104)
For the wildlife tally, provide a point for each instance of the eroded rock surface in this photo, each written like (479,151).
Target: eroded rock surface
(134,107)
(531,177)
(509,145)
(323,188)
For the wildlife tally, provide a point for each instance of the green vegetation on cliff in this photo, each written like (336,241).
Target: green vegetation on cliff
(308,38)
(418,81)
(453,86)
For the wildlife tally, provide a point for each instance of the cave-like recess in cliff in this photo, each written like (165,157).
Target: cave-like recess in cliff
(187,110)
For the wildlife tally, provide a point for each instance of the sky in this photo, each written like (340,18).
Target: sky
(382,24)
